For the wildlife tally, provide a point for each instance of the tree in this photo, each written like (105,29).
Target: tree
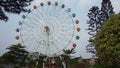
(93,26)
(107,42)
(97,19)
(40,61)
(106,11)
(67,56)
(16,55)
(12,6)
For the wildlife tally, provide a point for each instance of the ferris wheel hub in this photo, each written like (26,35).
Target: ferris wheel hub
(47,28)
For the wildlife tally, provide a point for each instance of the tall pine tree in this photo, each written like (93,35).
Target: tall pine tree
(93,26)
(97,18)
(106,11)
(12,6)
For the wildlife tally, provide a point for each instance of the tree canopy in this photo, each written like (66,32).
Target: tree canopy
(12,6)
(97,18)
(107,42)
(16,54)
(67,56)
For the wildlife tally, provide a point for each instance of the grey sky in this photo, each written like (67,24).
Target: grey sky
(80,7)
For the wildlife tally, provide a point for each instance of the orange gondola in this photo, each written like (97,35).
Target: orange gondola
(17,37)
(78,29)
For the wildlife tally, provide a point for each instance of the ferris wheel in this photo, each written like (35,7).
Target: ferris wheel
(48,29)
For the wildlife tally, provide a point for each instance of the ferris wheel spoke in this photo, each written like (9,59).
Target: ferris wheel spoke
(66,36)
(58,47)
(58,15)
(64,31)
(35,21)
(47,14)
(58,42)
(29,47)
(44,14)
(61,40)
(33,48)
(36,14)
(26,25)
(39,16)
(38,47)
(64,21)
(51,12)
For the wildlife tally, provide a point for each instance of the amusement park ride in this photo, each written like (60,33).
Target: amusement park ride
(47,30)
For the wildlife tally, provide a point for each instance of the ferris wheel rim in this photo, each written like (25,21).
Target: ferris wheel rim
(68,41)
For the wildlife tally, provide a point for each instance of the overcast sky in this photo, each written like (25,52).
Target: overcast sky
(80,7)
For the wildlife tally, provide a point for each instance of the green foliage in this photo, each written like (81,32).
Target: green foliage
(67,56)
(100,66)
(32,63)
(41,60)
(12,6)
(107,42)
(73,61)
(97,18)
(69,51)
(15,55)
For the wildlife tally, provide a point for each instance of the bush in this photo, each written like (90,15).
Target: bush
(100,66)
(107,42)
